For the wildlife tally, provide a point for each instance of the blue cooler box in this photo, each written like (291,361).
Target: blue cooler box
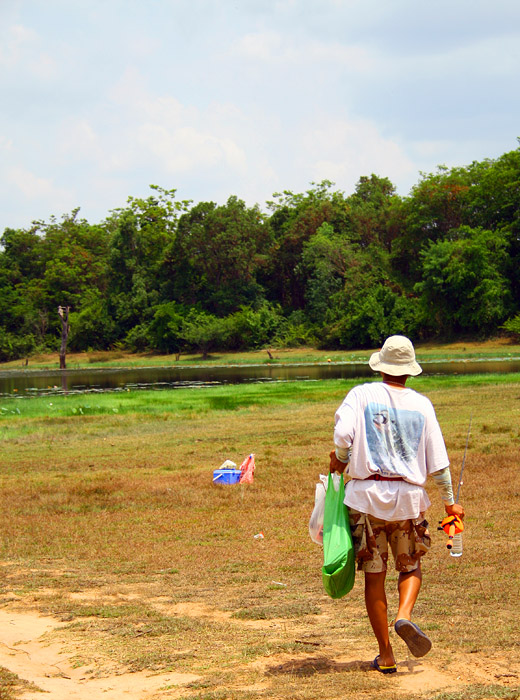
(226,476)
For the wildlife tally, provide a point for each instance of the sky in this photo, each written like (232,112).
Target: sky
(213,98)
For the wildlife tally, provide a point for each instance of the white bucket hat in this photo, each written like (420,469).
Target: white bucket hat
(396,357)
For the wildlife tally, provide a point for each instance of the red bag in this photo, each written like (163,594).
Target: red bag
(247,470)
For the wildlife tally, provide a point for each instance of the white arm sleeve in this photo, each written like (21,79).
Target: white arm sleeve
(443,480)
(343,454)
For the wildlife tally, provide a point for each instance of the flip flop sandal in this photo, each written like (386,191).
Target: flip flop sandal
(413,636)
(383,669)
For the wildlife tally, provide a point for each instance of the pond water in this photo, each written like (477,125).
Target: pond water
(24,383)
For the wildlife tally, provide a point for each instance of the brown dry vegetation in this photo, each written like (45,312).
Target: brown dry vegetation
(112,526)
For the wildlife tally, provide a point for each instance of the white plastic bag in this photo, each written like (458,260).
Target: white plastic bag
(316,521)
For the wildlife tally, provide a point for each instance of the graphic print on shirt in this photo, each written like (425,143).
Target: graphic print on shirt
(393,437)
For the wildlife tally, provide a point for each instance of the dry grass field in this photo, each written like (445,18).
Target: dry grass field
(126,573)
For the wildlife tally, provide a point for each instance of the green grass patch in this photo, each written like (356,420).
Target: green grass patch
(219,398)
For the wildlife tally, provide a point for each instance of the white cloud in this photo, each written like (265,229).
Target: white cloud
(343,150)
(179,137)
(218,97)
(128,89)
(354,57)
(264,46)
(186,148)
(6,144)
(142,45)
(429,149)
(14,40)
(43,67)
(33,187)
(21,35)
(22,51)
(274,47)
(79,141)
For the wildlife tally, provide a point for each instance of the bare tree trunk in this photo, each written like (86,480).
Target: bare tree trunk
(63,312)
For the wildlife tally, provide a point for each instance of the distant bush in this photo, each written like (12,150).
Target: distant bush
(164,331)
(512,326)
(137,339)
(204,332)
(250,329)
(295,332)
(13,347)
(365,321)
(91,328)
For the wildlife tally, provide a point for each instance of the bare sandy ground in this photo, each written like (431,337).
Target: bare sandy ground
(27,649)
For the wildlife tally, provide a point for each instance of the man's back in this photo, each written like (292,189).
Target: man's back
(392,431)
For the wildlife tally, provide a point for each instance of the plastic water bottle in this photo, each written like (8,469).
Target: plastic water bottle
(456,546)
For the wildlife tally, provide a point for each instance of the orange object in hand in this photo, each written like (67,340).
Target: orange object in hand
(451,525)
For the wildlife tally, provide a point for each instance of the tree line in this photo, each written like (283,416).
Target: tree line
(318,268)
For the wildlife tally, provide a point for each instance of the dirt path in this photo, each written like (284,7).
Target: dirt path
(28,649)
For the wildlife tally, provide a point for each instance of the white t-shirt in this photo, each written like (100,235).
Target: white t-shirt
(393,432)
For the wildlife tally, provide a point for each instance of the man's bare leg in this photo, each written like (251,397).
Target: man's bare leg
(409,585)
(415,639)
(376,605)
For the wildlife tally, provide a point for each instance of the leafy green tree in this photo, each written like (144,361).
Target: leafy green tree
(462,288)
(162,274)
(22,254)
(367,318)
(92,327)
(21,265)
(220,252)
(437,205)
(165,329)
(140,236)
(341,273)
(494,197)
(296,331)
(495,205)
(296,218)
(374,212)
(325,260)
(74,255)
(52,264)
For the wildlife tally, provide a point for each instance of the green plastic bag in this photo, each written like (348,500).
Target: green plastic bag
(339,566)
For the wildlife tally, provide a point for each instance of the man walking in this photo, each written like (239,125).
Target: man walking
(388,439)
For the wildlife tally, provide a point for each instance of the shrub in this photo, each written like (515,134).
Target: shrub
(91,327)
(250,329)
(137,339)
(512,326)
(204,332)
(165,329)
(12,347)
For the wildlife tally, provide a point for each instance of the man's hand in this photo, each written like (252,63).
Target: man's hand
(335,464)
(455,509)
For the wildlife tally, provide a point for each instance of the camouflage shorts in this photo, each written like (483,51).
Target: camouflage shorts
(408,539)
